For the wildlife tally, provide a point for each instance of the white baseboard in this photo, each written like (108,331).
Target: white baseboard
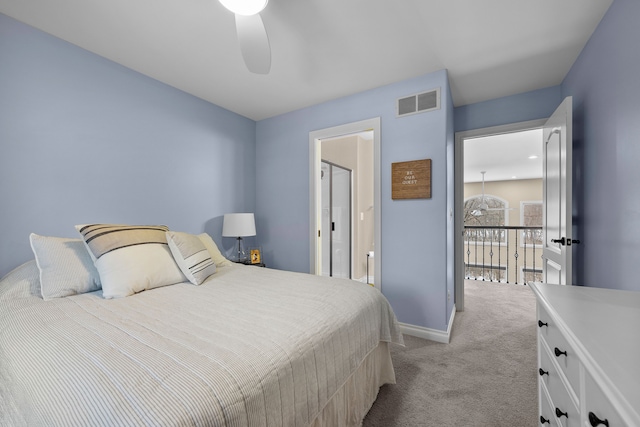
(428,333)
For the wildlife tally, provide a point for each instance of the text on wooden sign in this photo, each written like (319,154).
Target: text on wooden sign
(411,180)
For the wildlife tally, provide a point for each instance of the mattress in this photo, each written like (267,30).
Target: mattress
(249,347)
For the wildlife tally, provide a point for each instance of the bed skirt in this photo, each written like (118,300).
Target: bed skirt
(352,401)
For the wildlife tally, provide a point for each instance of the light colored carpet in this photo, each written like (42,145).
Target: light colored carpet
(486,375)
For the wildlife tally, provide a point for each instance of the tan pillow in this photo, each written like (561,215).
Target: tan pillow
(217,257)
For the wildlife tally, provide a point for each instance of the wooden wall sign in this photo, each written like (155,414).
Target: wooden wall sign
(411,180)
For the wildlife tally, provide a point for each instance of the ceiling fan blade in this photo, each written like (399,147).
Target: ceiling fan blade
(254,43)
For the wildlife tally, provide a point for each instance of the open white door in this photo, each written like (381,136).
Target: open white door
(557,218)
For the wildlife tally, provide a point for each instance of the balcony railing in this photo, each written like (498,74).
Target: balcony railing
(503,253)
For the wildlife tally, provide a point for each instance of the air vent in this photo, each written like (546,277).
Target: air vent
(419,103)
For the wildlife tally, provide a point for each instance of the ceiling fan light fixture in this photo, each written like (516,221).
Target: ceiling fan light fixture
(245,7)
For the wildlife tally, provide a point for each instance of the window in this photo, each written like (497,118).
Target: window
(491,214)
(531,216)
(487,211)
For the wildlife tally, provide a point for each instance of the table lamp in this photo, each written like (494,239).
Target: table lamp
(239,225)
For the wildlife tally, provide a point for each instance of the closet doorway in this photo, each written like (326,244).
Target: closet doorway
(345,201)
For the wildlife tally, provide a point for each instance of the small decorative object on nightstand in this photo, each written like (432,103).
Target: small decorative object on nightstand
(255,256)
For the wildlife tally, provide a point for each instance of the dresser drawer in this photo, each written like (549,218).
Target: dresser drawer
(597,406)
(546,417)
(560,400)
(569,362)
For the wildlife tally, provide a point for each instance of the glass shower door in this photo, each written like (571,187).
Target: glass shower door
(336,221)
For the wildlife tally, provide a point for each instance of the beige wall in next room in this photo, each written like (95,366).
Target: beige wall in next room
(513,191)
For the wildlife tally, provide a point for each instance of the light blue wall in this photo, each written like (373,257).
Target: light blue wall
(83,139)
(414,232)
(605,86)
(537,104)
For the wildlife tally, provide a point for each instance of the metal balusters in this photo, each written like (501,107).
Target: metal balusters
(484,235)
(499,252)
(465,234)
(491,257)
(524,268)
(476,246)
(507,275)
(516,256)
(491,238)
(534,261)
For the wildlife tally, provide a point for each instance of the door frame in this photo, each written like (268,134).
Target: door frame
(315,214)
(459,193)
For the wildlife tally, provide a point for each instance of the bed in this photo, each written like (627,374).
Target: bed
(248,346)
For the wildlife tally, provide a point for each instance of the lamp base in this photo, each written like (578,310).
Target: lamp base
(238,252)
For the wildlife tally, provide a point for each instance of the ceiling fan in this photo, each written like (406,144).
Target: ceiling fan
(484,207)
(252,36)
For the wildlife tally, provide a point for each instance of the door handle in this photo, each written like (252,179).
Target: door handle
(565,241)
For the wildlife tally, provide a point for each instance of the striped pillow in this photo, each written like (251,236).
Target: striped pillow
(130,258)
(215,253)
(191,255)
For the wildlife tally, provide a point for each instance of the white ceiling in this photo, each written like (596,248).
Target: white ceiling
(504,157)
(325,49)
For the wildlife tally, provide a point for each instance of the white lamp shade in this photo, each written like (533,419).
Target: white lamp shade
(244,7)
(239,225)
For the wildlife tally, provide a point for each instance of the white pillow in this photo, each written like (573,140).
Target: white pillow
(217,257)
(65,266)
(21,282)
(191,255)
(131,258)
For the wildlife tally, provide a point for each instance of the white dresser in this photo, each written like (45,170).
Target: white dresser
(588,356)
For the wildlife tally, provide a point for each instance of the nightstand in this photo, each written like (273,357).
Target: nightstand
(259,264)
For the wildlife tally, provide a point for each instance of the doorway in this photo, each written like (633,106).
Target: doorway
(488,261)
(360,259)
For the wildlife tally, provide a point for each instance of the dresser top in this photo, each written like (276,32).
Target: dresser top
(603,326)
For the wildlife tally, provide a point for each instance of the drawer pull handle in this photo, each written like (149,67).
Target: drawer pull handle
(559,353)
(595,421)
(560,414)
(543,372)
(543,420)
(541,324)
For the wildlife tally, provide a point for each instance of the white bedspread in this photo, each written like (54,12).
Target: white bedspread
(249,347)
